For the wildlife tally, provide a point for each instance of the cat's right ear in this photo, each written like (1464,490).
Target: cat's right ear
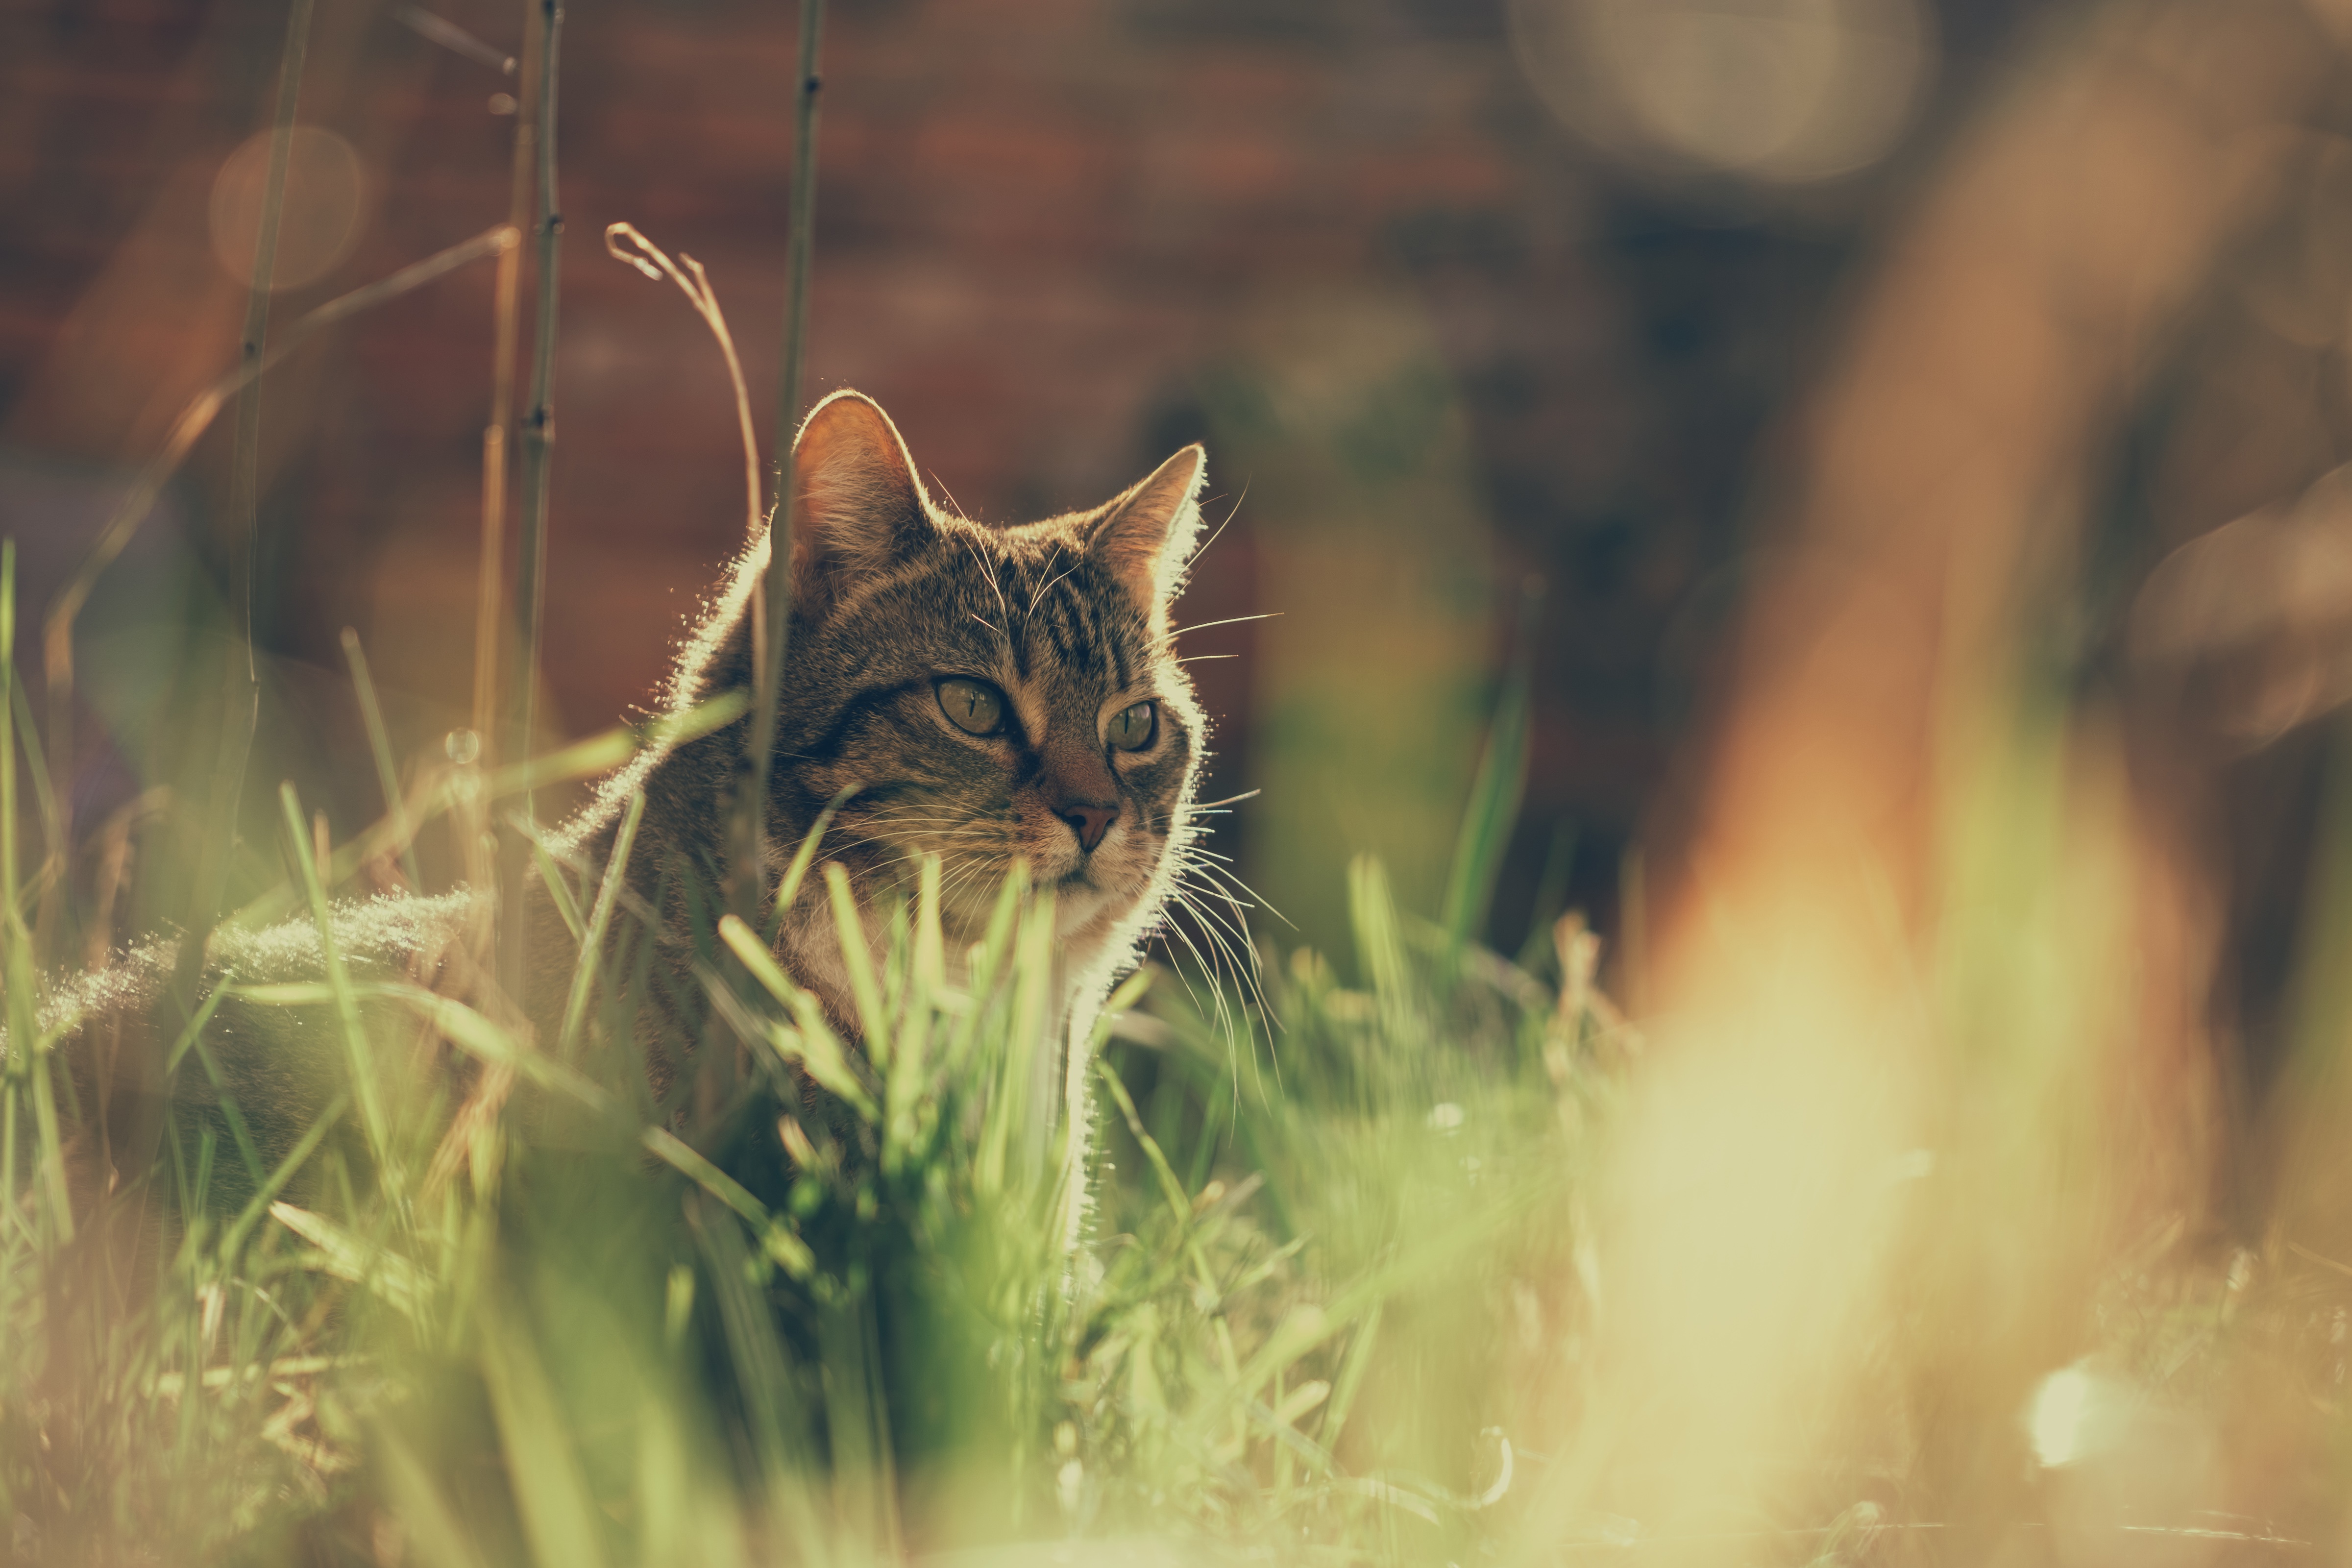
(858,504)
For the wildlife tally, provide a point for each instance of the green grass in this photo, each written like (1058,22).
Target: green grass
(1341,1272)
(728,1328)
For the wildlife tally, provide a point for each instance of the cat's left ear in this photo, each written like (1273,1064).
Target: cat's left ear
(861,509)
(1146,537)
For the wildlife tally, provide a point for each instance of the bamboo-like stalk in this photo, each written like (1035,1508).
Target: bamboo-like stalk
(539,424)
(497,435)
(531,558)
(241,689)
(774,608)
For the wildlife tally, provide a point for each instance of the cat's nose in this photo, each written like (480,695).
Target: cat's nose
(1090,823)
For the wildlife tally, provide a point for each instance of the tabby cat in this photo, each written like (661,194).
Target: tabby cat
(983,694)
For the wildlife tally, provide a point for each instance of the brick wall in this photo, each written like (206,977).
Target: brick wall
(1042,226)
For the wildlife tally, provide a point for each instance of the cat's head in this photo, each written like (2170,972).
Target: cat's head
(990,693)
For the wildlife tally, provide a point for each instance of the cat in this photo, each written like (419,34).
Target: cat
(984,694)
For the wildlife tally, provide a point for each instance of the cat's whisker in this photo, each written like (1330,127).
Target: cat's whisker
(1167,928)
(1175,632)
(1231,512)
(1258,900)
(1244,974)
(1038,597)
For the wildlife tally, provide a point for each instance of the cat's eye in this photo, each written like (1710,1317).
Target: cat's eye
(1132,729)
(972,706)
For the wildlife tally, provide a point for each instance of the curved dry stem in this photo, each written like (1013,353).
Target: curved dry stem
(655,263)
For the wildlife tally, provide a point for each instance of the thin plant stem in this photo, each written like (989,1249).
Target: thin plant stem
(241,692)
(653,261)
(774,608)
(497,435)
(538,439)
(539,423)
(380,746)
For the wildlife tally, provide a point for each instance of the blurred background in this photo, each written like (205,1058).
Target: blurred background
(1458,292)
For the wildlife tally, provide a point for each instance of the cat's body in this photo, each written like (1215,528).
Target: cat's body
(984,695)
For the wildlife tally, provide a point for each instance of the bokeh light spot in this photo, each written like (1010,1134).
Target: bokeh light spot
(321,216)
(1780,92)
(2057,1420)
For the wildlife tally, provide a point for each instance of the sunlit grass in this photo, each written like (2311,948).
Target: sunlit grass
(494,1303)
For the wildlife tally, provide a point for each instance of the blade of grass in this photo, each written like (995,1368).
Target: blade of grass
(233,1238)
(591,944)
(560,1517)
(37,768)
(812,1043)
(773,1397)
(857,958)
(358,1055)
(382,1273)
(797,872)
(435,1533)
(1494,805)
(21,964)
(551,876)
(245,1148)
(388,772)
(1352,1367)
(461,1026)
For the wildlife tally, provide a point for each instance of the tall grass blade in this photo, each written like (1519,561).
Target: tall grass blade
(28,1053)
(600,920)
(36,769)
(857,958)
(775,1401)
(233,1238)
(560,1516)
(435,1533)
(387,772)
(358,1054)
(1494,805)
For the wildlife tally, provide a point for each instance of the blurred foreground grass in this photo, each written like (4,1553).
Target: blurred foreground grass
(1367,1263)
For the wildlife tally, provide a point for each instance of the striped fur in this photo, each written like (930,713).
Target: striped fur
(1067,617)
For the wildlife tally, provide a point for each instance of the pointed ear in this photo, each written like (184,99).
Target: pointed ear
(858,506)
(1146,537)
